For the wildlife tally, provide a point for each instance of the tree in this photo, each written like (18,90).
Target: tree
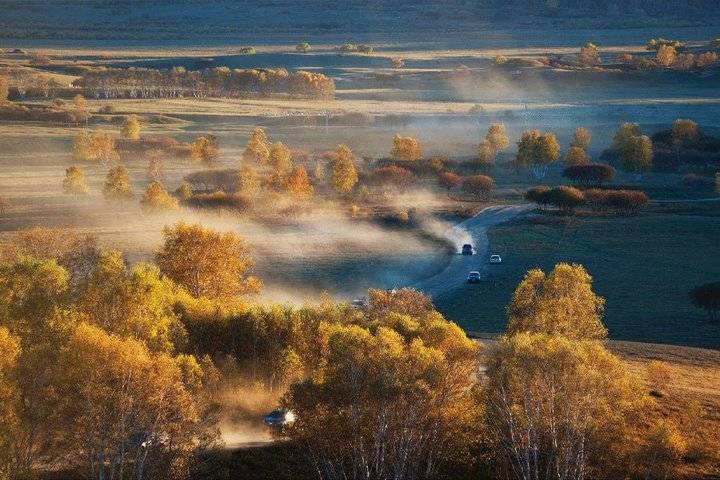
(280,158)
(95,147)
(128,411)
(257,149)
(10,421)
(184,191)
(538,150)
(665,55)
(4,89)
(79,110)
(298,183)
(707,297)
(134,303)
(706,60)
(344,174)
(486,153)
(589,54)
(663,448)
(591,174)
(449,180)
(559,407)
(479,185)
(561,303)
(497,136)
(74,181)
(623,135)
(637,154)
(392,401)
(405,148)
(131,128)
(248,183)
(684,131)
(576,156)
(117,184)
(157,199)
(205,149)
(303,47)
(581,138)
(207,263)
(155,165)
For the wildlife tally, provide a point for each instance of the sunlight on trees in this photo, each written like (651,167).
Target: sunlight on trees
(298,183)
(117,184)
(205,150)
(343,175)
(405,148)
(157,199)
(131,128)
(207,263)
(258,148)
(74,181)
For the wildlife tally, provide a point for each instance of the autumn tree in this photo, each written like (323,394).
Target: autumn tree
(405,148)
(128,412)
(624,133)
(95,147)
(303,47)
(131,128)
(478,185)
(394,176)
(4,89)
(560,303)
(280,159)
(590,174)
(157,199)
(247,182)
(344,173)
(298,183)
(637,154)
(497,137)
(10,420)
(589,54)
(258,148)
(206,262)
(663,448)
(74,181)
(392,401)
(79,111)
(581,138)
(117,184)
(155,166)
(486,153)
(449,180)
(184,191)
(576,156)
(205,149)
(665,55)
(538,150)
(684,131)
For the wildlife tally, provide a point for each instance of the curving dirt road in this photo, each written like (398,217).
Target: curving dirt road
(455,274)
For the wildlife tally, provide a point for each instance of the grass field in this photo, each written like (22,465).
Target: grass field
(643,265)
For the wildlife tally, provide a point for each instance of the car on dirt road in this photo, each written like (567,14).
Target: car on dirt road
(495,259)
(467,249)
(474,277)
(280,417)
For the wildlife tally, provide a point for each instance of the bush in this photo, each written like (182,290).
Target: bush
(219,199)
(303,47)
(591,174)
(707,297)
(567,199)
(449,180)
(392,175)
(479,185)
(621,201)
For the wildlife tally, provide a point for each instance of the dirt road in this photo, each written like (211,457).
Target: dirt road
(455,274)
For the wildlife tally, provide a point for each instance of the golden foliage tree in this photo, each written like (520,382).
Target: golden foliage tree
(205,150)
(665,55)
(248,183)
(684,130)
(497,136)
(129,413)
(10,421)
(558,407)
(344,174)
(486,153)
(581,138)
(258,148)
(131,128)
(117,184)
(561,303)
(637,154)
(536,148)
(576,156)
(157,199)
(207,263)
(298,183)
(589,54)
(95,147)
(405,148)
(74,181)
(394,400)
(4,89)
(280,158)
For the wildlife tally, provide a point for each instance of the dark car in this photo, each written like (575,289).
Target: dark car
(467,249)
(474,277)
(279,417)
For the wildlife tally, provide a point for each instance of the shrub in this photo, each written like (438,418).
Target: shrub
(303,47)
(393,175)
(479,185)
(449,180)
(248,51)
(591,174)
(621,201)
(220,199)
(537,194)
(365,49)
(707,297)
(405,148)
(567,199)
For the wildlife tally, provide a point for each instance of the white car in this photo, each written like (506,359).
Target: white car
(495,259)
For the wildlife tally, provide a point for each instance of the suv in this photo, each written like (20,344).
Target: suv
(467,249)
(280,417)
(495,259)
(474,277)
